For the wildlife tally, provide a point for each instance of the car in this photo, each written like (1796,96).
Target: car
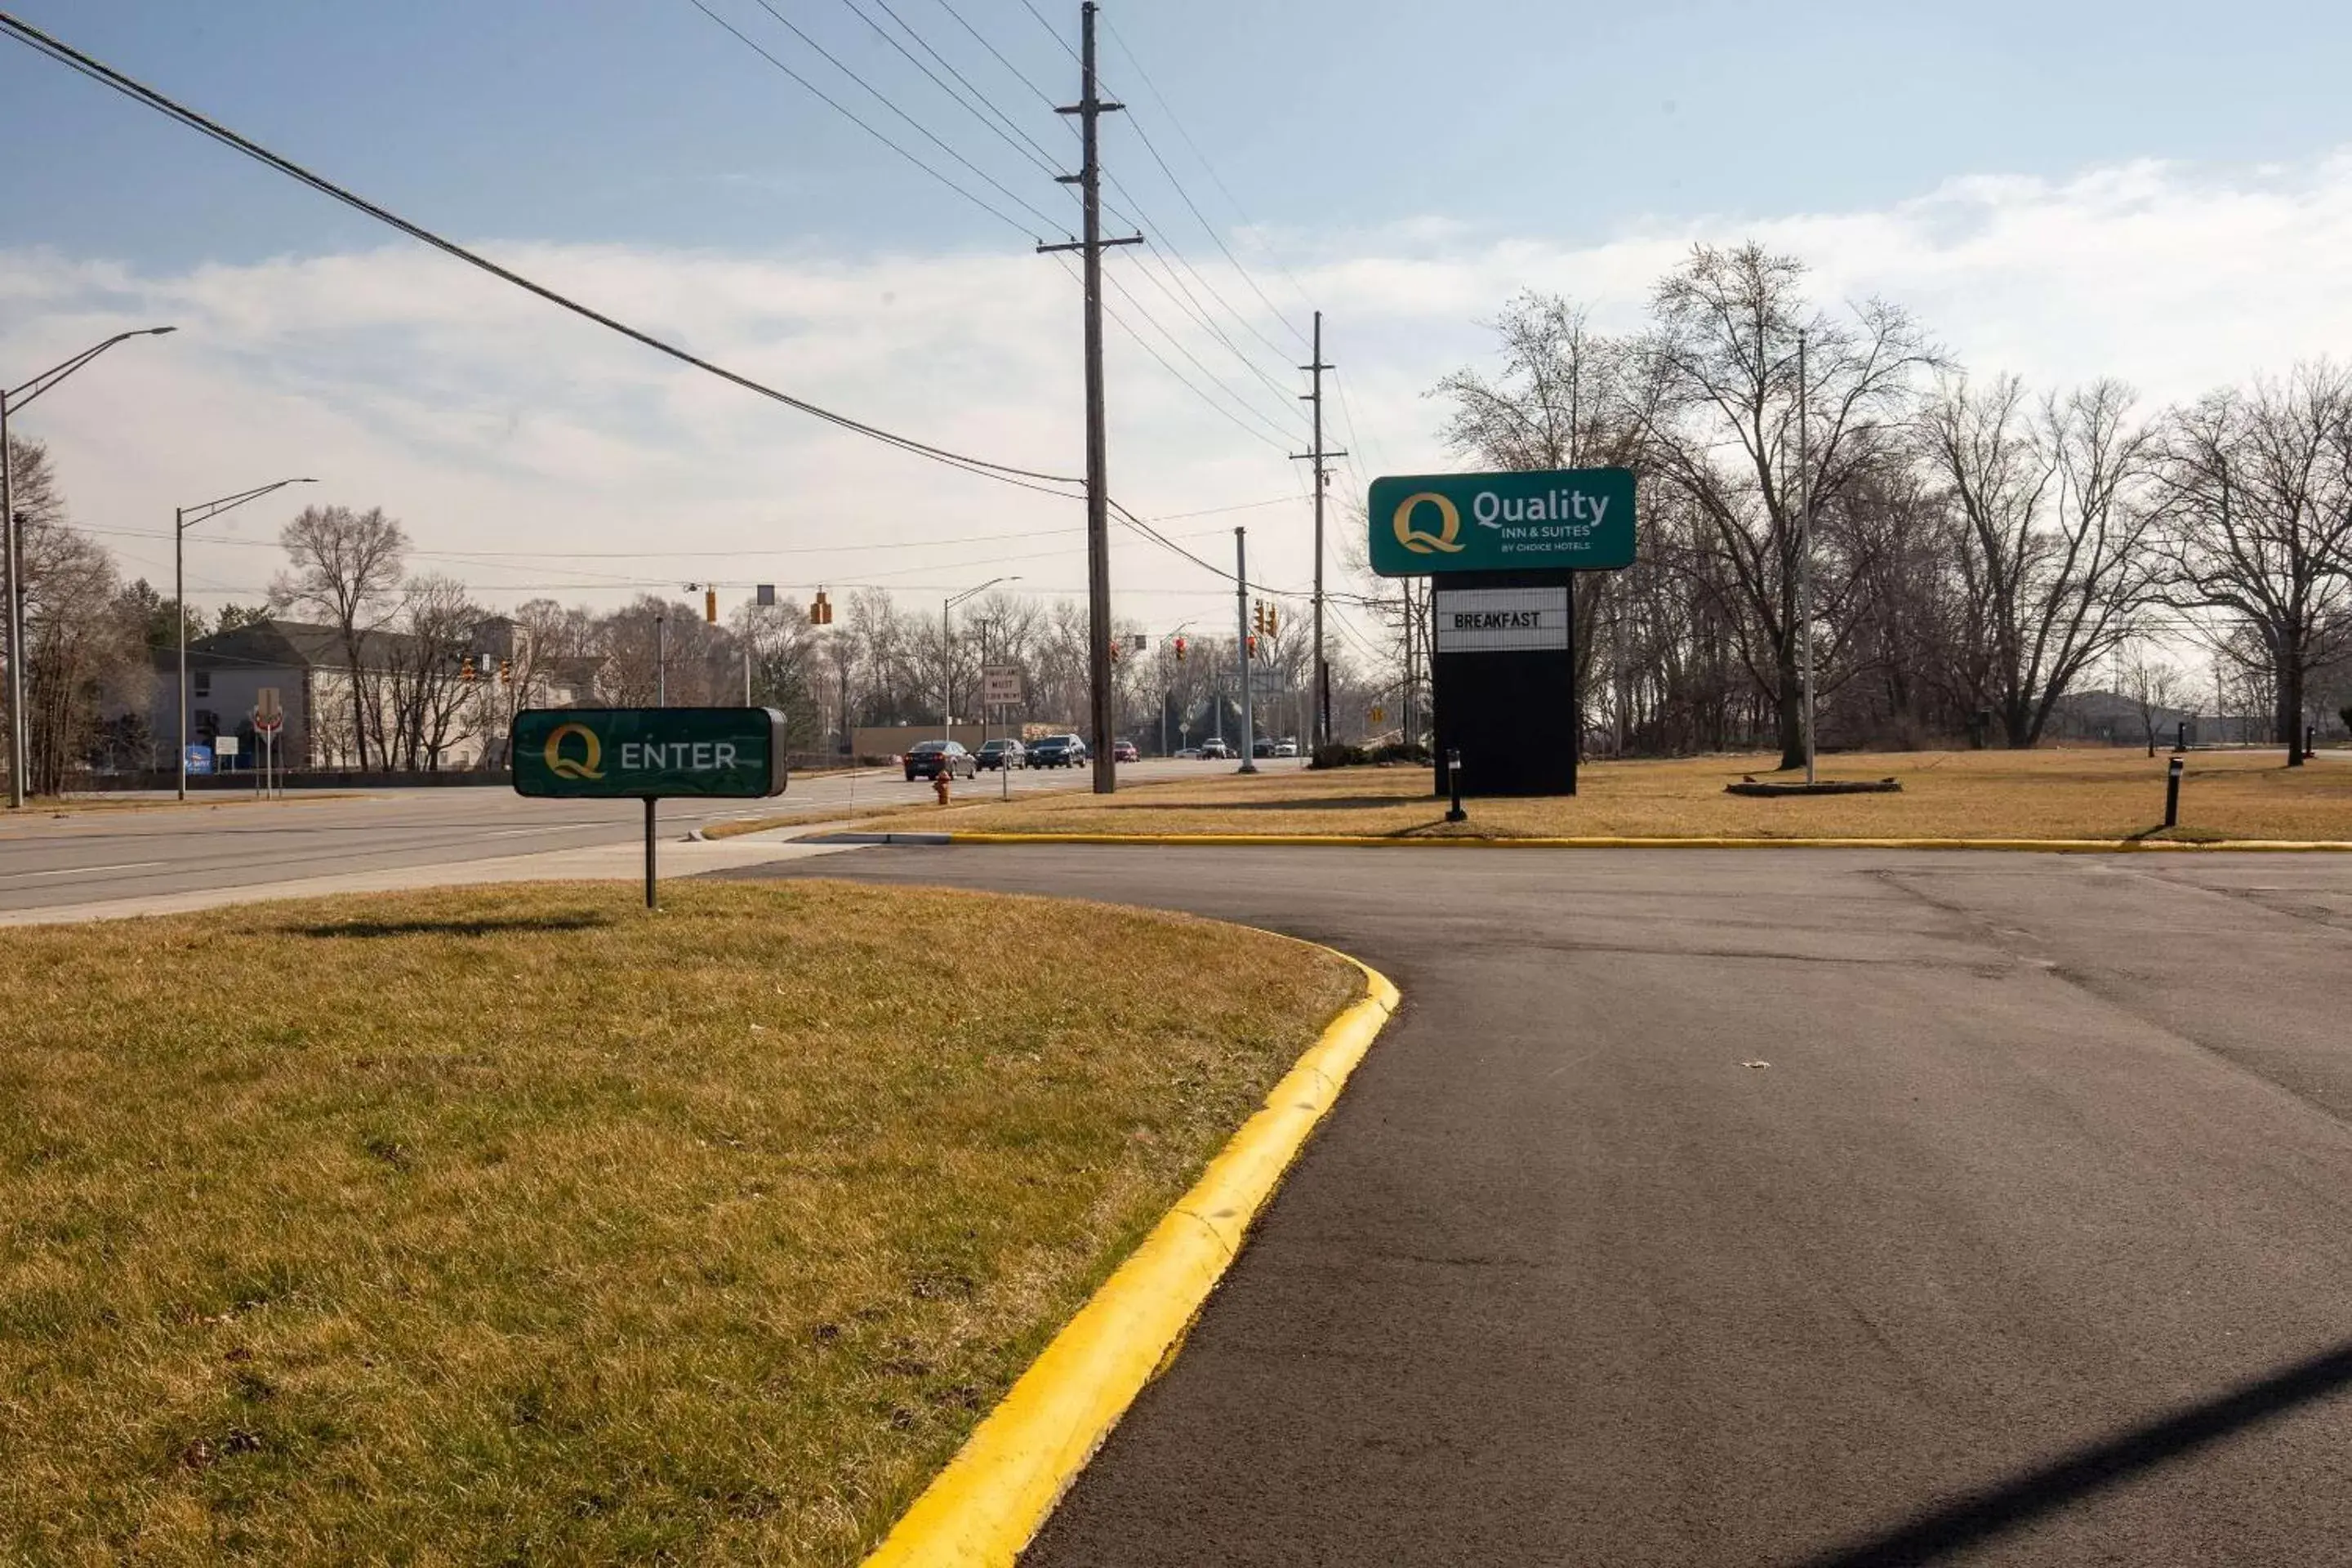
(1285,748)
(1261,747)
(1057,752)
(1125,752)
(1214,749)
(1001,753)
(930,759)
(1189,754)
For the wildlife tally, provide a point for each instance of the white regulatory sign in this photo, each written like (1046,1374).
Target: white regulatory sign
(1500,620)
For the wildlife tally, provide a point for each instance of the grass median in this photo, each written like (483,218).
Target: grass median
(2055,793)
(519,1224)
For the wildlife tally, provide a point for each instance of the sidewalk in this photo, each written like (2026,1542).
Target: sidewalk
(598,863)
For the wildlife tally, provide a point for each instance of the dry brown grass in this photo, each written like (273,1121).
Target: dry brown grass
(2103,795)
(519,1224)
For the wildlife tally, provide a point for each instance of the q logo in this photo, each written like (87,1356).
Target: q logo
(1420,543)
(591,754)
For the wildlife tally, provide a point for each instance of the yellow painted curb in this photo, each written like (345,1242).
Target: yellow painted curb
(988,1503)
(1363,841)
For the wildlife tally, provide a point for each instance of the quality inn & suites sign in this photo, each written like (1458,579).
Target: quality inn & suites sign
(1578,519)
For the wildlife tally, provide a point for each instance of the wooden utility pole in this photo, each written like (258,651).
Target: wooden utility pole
(1322,482)
(1090,108)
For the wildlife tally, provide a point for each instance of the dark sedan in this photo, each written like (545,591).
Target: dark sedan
(928,759)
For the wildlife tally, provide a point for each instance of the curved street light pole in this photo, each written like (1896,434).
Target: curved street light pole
(183,520)
(11,527)
(947,655)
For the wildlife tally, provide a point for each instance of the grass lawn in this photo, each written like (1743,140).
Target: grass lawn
(2086,793)
(518,1225)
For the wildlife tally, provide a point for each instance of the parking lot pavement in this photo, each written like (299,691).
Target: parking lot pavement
(1770,1207)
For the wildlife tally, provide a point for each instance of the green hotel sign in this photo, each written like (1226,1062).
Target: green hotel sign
(610,753)
(1578,519)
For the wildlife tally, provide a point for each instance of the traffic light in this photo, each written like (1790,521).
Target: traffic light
(1180,650)
(1271,611)
(1257,618)
(711,606)
(506,672)
(820,610)
(1142,641)
(1252,647)
(1114,651)
(466,670)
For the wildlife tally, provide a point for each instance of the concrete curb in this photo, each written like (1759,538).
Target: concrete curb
(993,1496)
(1307,840)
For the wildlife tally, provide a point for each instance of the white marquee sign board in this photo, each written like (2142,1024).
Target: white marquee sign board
(1500,620)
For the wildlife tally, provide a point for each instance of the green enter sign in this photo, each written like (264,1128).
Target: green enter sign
(648,752)
(1577,520)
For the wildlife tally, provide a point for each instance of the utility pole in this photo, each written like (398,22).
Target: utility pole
(1242,644)
(1805,543)
(661,658)
(1090,108)
(1322,481)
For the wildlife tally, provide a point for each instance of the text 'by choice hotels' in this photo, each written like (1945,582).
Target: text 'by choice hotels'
(1564,520)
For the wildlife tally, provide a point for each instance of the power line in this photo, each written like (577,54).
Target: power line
(876,94)
(1218,180)
(1274,440)
(1051,31)
(1036,155)
(1047,98)
(97,71)
(1035,150)
(851,115)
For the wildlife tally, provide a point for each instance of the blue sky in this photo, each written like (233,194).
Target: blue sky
(2155,191)
(640,121)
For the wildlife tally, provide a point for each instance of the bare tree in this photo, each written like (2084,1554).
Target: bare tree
(426,706)
(2053,553)
(2154,689)
(346,570)
(1714,398)
(2257,490)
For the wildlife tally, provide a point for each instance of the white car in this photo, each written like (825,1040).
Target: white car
(1215,751)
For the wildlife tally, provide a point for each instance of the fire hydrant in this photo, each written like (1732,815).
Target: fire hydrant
(939,782)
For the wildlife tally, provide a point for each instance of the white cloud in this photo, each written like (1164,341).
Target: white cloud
(487,420)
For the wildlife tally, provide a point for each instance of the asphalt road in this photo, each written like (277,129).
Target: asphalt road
(1771,1208)
(48,859)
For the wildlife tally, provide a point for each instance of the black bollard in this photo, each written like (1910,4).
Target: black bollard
(1454,781)
(2172,795)
(2311,742)
(2180,736)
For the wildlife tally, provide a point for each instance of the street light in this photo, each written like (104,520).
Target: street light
(184,519)
(947,655)
(11,526)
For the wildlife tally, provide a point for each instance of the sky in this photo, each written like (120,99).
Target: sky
(2063,190)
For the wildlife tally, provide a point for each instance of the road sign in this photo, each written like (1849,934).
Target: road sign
(1379,715)
(1000,685)
(268,717)
(1264,680)
(648,754)
(200,759)
(1498,620)
(1562,518)
(225,746)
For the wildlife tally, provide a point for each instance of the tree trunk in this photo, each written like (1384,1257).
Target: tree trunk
(2290,709)
(1790,701)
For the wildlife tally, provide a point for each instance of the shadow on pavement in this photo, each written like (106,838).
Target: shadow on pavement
(578,920)
(1981,1516)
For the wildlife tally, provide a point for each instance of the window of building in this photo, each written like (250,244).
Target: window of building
(202,681)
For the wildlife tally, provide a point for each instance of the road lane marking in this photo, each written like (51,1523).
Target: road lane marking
(90,871)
